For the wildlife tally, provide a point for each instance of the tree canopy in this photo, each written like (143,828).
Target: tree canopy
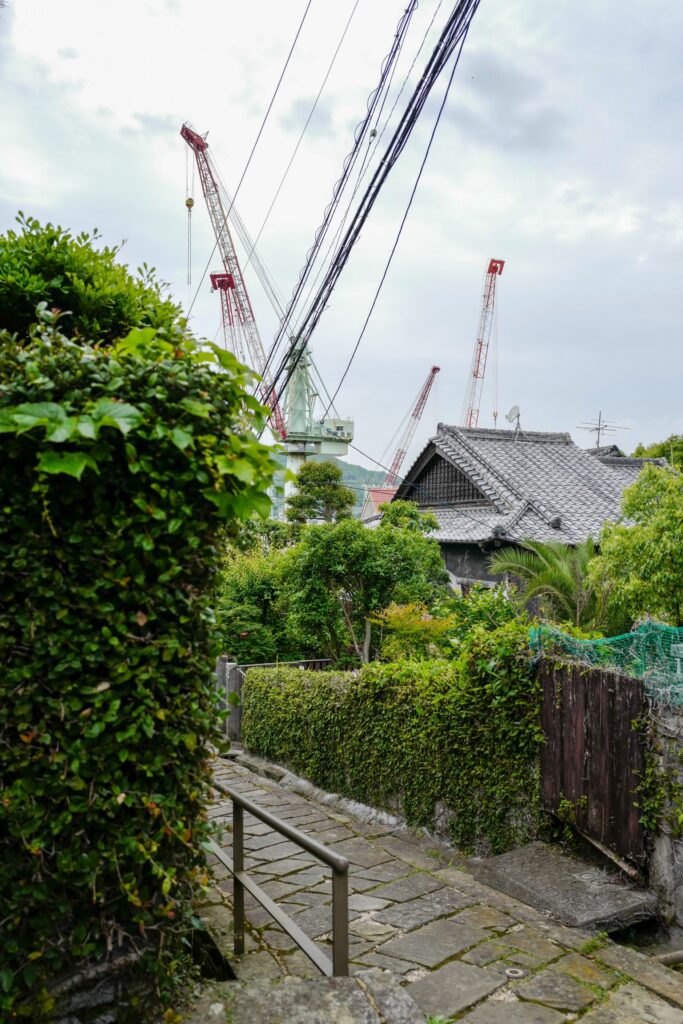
(318,595)
(320,495)
(671,449)
(642,560)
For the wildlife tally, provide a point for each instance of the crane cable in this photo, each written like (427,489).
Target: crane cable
(256,142)
(400,228)
(453,34)
(341,183)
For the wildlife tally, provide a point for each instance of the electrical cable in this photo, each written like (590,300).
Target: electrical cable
(453,35)
(256,142)
(303,132)
(341,183)
(372,143)
(400,228)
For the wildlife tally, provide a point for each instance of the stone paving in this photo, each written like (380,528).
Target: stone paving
(459,949)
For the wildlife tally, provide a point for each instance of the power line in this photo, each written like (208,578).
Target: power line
(372,142)
(454,31)
(256,142)
(400,228)
(303,132)
(342,182)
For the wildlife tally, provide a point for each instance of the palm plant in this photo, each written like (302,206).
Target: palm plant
(556,574)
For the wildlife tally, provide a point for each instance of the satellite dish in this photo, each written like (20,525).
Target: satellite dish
(513,415)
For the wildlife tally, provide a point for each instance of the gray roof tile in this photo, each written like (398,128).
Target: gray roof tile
(540,485)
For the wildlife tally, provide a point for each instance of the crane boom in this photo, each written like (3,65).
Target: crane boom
(239,322)
(470,409)
(409,433)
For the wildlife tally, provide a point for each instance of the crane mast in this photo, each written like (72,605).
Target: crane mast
(239,323)
(470,409)
(409,433)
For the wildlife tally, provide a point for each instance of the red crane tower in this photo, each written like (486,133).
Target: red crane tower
(470,409)
(409,433)
(239,323)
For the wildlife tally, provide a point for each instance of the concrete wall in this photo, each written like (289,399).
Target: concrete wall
(666,862)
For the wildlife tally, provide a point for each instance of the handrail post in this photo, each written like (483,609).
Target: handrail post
(340,923)
(237,886)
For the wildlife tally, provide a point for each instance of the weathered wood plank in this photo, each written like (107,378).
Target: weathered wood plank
(593,757)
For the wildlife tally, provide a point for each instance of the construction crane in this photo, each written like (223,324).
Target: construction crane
(470,409)
(239,324)
(411,427)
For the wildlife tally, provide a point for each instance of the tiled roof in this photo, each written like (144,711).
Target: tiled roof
(374,497)
(540,485)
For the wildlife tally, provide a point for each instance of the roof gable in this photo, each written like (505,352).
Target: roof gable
(440,482)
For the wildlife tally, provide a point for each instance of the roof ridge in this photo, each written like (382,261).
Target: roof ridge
(541,436)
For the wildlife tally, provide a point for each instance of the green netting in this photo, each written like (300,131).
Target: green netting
(653,653)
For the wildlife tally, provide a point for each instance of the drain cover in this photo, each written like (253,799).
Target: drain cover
(515,972)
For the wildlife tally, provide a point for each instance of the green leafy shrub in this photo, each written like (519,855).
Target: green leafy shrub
(120,468)
(98,298)
(411,631)
(456,740)
(488,607)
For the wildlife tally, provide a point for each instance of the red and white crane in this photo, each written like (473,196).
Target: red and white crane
(409,432)
(239,324)
(470,409)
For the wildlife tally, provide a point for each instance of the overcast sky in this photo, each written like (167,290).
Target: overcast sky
(559,152)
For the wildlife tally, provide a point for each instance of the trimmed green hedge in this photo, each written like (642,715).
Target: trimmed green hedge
(120,470)
(453,741)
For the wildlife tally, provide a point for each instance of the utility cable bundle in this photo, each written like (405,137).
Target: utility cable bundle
(452,38)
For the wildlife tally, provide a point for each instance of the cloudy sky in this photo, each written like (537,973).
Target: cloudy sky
(559,151)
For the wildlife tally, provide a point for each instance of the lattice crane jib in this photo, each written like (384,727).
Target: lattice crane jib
(239,323)
(470,410)
(405,442)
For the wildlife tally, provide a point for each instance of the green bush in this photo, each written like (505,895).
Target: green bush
(98,298)
(459,739)
(120,468)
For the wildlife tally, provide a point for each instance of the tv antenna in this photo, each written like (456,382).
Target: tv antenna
(600,427)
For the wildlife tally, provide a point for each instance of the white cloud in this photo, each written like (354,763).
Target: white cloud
(559,154)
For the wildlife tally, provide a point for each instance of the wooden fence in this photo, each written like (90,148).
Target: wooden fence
(593,756)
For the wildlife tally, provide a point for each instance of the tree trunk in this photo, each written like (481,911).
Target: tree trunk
(366,641)
(351,630)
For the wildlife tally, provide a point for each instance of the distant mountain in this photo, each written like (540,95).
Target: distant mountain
(354,476)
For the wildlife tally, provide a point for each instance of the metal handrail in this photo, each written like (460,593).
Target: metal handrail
(339,965)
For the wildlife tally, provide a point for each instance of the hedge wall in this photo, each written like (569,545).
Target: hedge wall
(451,743)
(119,470)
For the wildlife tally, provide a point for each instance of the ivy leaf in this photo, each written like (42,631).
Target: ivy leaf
(85,425)
(38,414)
(61,431)
(7,424)
(181,439)
(108,413)
(71,463)
(200,409)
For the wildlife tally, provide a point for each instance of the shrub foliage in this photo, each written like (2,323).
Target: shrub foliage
(415,736)
(120,467)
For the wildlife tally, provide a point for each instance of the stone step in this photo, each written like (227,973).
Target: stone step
(576,892)
(371,997)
